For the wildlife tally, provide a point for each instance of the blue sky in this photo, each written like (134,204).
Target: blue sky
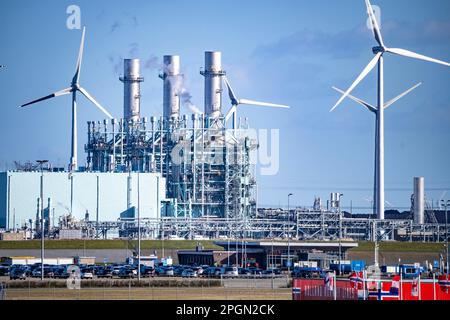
(289,52)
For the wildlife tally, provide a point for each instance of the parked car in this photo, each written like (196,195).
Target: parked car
(169,271)
(231,272)
(147,271)
(4,271)
(87,275)
(255,271)
(244,271)
(105,272)
(307,272)
(18,273)
(209,272)
(272,272)
(189,273)
(36,273)
(160,271)
(127,272)
(198,270)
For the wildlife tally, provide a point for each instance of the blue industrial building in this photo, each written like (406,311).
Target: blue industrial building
(78,193)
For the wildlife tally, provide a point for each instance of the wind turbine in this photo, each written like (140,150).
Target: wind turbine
(235,102)
(374,109)
(378,59)
(74,87)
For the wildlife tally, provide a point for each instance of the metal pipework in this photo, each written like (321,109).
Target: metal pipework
(172,86)
(213,74)
(419,200)
(131,90)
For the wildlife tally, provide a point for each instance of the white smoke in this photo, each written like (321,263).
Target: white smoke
(179,86)
(186,99)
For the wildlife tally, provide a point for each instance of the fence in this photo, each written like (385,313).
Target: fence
(2,292)
(316,289)
(151,289)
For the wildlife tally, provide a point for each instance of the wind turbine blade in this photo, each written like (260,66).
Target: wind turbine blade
(55,94)
(363,74)
(392,101)
(230,113)
(368,106)
(231,94)
(76,77)
(262,104)
(87,95)
(410,54)
(375,26)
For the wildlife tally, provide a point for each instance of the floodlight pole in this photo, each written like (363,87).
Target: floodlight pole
(41,162)
(446,203)
(289,236)
(139,229)
(340,232)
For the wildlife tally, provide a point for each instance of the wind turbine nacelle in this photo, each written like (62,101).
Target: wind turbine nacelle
(377,50)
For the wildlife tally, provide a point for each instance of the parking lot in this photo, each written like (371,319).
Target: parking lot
(125,271)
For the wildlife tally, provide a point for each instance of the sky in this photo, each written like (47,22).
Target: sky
(288,52)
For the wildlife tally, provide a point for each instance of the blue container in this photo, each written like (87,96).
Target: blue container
(358,265)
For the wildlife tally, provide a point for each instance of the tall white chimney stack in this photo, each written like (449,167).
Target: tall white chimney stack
(419,200)
(172,86)
(132,93)
(213,83)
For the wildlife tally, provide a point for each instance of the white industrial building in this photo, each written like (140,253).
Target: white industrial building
(78,193)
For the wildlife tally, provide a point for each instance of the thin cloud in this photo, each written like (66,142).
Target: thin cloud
(115,26)
(350,43)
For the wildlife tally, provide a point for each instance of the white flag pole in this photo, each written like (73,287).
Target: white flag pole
(401,285)
(334,285)
(434,286)
(420,289)
(364,284)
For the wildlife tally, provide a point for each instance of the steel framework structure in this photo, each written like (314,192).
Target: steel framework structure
(305,225)
(208,168)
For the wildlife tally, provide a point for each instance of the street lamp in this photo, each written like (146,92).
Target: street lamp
(139,228)
(41,163)
(289,235)
(340,231)
(446,203)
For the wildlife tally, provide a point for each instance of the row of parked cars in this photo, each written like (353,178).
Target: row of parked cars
(211,272)
(131,271)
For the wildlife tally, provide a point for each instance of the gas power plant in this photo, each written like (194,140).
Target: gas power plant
(184,176)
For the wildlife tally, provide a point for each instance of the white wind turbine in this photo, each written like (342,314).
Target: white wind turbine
(74,87)
(235,102)
(378,59)
(373,109)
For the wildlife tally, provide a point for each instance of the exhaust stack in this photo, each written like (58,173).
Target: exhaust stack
(213,83)
(419,200)
(172,86)
(131,90)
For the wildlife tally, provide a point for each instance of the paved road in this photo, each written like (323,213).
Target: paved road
(257,283)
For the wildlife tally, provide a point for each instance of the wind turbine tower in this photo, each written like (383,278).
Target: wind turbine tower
(379,52)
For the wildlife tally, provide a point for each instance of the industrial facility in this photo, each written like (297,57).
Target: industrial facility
(183,176)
